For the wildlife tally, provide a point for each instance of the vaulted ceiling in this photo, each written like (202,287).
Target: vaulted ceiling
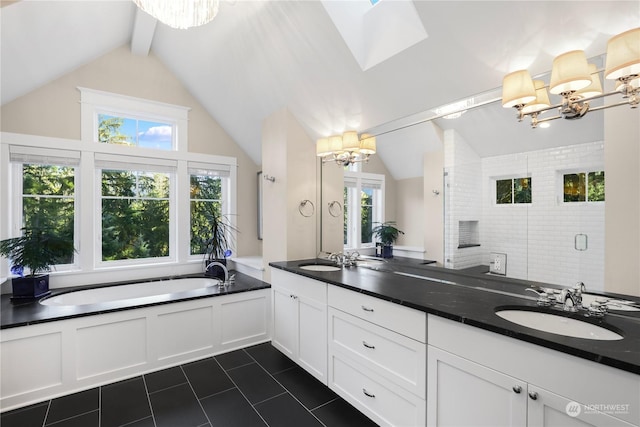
(259,56)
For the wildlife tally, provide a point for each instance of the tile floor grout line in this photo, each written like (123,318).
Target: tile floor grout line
(216,393)
(270,398)
(46,414)
(236,367)
(99,406)
(166,388)
(241,392)
(196,395)
(146,389)
(287,390)
(139,419)
(325,404)
(75,416)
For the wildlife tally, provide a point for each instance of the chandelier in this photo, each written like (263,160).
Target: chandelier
(180,14)
(577,82)
(347,148)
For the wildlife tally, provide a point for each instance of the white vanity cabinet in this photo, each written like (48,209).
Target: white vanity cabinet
(300,320)
(477,377)
(377,357)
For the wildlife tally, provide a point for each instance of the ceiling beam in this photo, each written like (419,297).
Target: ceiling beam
(144,28)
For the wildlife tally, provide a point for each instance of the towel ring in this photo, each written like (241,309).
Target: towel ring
(335,209)
(302,208)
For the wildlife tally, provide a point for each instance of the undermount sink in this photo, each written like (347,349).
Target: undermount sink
(558,324)
(319,267)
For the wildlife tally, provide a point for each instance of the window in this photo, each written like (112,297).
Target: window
(135,214)
(124,207)
(363,206)
(206,198)
(116,129)
(583,187)
(47,185)
(513,190)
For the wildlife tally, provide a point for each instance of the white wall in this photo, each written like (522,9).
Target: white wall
(434,206)
(288,154)
(54,110)
(622,163)
(463,190)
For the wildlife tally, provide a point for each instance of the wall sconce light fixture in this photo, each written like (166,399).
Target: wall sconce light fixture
(577,82)
(347,148)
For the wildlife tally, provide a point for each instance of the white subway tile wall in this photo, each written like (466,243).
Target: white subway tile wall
(538,238)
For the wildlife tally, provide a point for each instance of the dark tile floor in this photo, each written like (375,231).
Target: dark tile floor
(255,386)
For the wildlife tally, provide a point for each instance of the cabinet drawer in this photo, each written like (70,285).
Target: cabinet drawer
(299,285)
(404,320)
(380,400)
(399,359)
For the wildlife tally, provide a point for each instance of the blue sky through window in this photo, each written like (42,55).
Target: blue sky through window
(144,133)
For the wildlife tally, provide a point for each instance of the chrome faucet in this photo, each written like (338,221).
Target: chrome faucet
(345,259)
(221,265)
(571,298)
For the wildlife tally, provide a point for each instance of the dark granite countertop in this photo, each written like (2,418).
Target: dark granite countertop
(472,297)
(23,314)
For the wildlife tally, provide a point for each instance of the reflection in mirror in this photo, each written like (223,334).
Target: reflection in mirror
(450,212)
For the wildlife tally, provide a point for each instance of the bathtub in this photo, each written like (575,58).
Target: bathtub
(90,337)
(128,292)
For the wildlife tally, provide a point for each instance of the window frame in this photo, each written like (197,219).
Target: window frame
(45,157)
(586,171)
(354,216)
(123,164)
(513,179)
(86,270)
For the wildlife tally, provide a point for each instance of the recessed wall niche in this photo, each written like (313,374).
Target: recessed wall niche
(468,234)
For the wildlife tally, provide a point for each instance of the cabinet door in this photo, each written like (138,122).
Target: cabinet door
(312,337)
(551,410)
(463,393)
(285,321)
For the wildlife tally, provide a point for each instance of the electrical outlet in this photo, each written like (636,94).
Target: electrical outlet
(498,264)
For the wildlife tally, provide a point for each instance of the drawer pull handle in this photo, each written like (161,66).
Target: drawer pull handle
(366,393)
(364,343)
(517,389)
(533,395)
(365,308)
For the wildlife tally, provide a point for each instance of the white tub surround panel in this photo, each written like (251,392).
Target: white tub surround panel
(46,360)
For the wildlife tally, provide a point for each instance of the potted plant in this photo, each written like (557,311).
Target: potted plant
(36,250)
(386,233)
(218,245)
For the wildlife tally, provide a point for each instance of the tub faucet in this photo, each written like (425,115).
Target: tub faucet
(221,265)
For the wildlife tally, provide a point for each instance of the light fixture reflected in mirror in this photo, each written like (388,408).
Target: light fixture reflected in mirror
(577,82)
(347,148)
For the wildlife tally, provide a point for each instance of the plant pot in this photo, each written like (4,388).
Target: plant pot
(387,251)
(215,271)
(30,287)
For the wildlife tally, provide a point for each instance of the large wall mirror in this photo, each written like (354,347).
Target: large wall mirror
(507,194)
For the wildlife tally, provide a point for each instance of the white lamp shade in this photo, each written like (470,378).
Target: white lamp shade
(623,55)
(335,144)
(595,88)
(368,144)
(322,147)
(541,101)
(570,72)
(350,141)
(517,89)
